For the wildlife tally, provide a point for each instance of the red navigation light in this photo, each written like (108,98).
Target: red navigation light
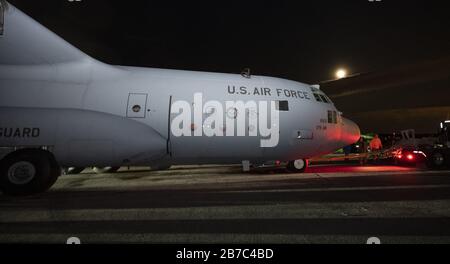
(410,157)
(399,156)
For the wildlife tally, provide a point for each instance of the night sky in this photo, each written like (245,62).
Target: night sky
(299,40)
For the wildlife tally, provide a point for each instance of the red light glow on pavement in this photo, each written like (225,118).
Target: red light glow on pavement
(356,168)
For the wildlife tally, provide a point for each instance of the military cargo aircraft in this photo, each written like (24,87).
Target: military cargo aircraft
(62,108)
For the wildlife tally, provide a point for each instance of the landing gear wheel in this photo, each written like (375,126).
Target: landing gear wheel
(28,172)
(74,170)
(297,166)
(106,169)
(436,160)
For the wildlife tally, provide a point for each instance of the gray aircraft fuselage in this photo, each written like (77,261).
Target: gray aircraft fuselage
(88,113)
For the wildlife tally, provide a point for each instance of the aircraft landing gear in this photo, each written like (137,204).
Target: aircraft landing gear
(27,172)
(297,166)
(105,169)
(73,170)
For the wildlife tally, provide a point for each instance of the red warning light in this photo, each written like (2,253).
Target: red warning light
(410,157)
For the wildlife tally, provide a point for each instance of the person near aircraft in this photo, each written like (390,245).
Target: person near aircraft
(375,147)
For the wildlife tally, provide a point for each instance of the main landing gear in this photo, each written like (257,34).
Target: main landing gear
(27,172)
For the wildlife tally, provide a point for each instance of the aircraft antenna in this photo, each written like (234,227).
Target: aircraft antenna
(246,73)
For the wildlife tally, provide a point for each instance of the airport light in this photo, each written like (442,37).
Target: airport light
(341,73)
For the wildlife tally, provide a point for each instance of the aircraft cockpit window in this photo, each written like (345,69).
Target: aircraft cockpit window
(282,105)
(324,98)
(339,118)
(317,97)
(328,98)
(335,117)
(330,117)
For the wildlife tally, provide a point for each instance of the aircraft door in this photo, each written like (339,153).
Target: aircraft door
(137,105)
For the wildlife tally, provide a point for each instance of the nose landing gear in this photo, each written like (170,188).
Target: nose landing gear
(297,166)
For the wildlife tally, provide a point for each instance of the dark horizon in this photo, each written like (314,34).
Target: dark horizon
(304,41)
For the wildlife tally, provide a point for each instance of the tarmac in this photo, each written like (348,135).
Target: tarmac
(222,204)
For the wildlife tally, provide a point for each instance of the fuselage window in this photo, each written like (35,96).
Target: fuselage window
(317,97)
(282,105)
(335,117)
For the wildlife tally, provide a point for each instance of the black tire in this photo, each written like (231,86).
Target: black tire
(436,160)
(105,169)
(74,170)
(28,172)
(160,167)
(297,166)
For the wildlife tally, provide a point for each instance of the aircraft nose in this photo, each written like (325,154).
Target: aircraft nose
(350,132)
